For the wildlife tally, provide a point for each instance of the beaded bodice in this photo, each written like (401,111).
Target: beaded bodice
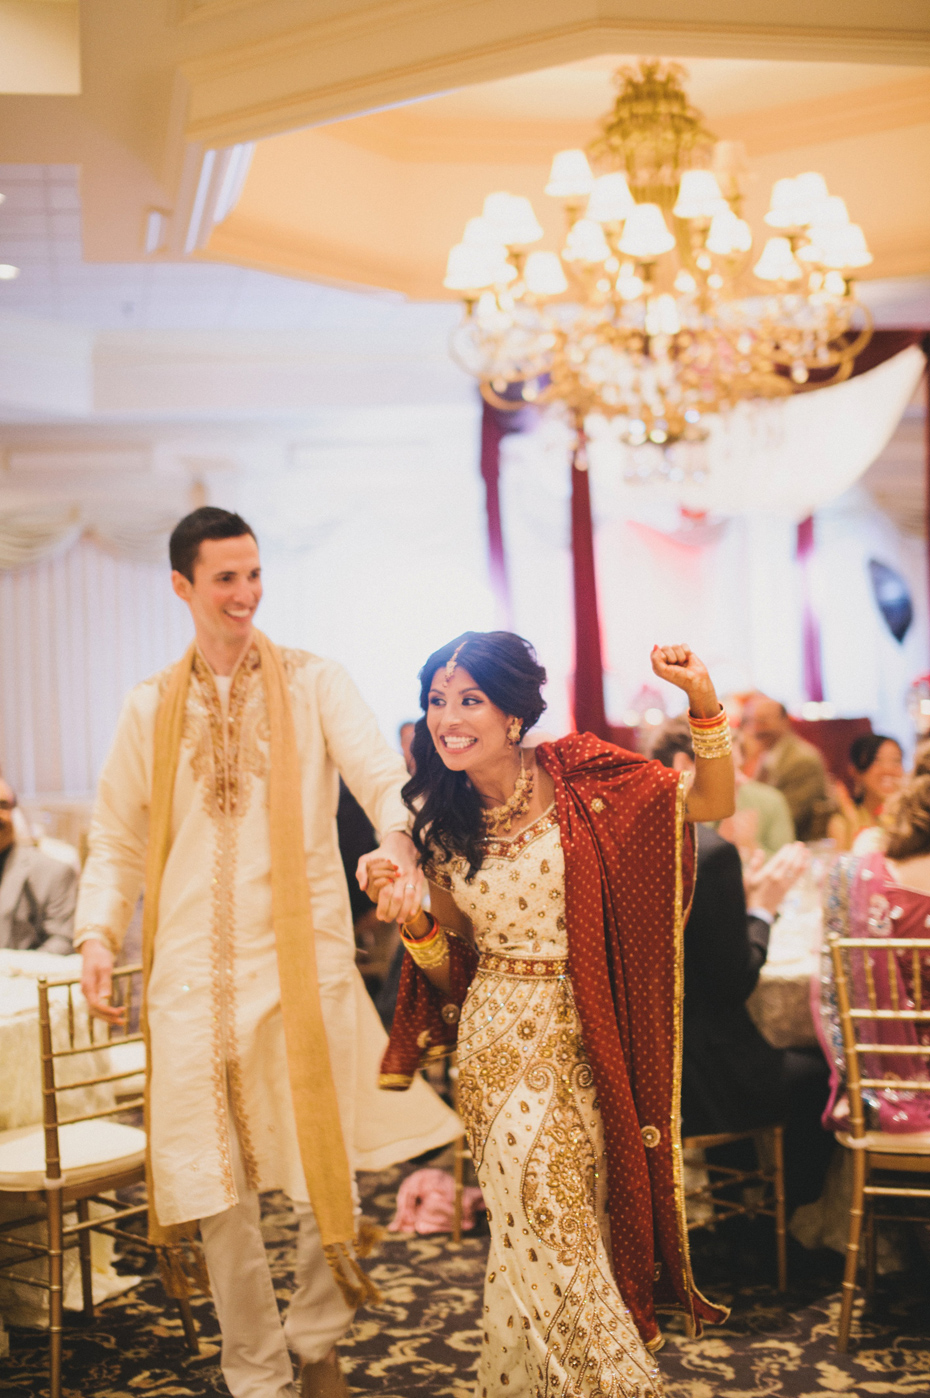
(516,902)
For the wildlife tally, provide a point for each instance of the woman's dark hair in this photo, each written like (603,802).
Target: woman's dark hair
(865,749)
(449,818)
(206,523)
(906,819)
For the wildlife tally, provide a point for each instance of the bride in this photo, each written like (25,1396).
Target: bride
(551,960)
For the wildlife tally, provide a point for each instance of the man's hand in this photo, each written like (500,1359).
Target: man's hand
(97,981)
(400,900)
(767,885)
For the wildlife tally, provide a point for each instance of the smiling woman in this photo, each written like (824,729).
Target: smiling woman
(558,881)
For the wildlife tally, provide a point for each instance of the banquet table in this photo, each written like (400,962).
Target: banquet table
(780,1005)
(21,1105)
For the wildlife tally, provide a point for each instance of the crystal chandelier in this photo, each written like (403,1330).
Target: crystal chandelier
(658,312)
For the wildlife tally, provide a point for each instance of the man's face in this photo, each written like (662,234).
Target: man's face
(765,721)
(226,590)
(7,803)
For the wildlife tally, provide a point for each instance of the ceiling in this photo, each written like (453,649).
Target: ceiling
(379,199)
(40,232)
(379,127)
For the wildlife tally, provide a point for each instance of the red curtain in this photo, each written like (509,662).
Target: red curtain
(590,716)
(810,626)
(496,424)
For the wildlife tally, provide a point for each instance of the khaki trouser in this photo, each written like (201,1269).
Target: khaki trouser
(255,1358)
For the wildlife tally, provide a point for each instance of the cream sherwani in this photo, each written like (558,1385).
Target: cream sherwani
(214,1002)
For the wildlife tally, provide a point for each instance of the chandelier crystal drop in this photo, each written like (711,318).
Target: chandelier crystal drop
(657,310)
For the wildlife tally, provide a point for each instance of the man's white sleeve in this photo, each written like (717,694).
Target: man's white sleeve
(373,772)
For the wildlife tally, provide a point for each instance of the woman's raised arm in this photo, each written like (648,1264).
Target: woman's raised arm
(713,792)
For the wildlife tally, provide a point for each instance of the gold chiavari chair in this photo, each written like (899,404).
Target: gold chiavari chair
(879,1153)
(72,1161)
(460,1153)
(731,1192)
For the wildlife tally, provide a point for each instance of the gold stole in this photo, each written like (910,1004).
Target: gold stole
(316,1109)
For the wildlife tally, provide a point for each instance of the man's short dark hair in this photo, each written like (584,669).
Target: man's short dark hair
(206,523)
(673,738)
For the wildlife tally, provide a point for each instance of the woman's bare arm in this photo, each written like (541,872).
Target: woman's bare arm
(713,792)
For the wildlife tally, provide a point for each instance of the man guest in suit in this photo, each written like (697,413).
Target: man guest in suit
(732,1078)
(791,765)
(37,893)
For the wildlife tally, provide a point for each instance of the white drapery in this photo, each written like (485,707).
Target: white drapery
(787,458)
(41,532)
(76,632)
(373,552)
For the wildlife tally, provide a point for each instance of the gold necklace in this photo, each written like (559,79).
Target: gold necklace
(499,819)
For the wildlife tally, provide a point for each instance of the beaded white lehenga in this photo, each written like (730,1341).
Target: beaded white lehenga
(555,1325)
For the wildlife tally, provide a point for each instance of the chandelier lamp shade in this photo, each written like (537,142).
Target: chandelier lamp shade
(658,309)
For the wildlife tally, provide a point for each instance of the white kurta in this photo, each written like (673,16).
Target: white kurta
(214,997)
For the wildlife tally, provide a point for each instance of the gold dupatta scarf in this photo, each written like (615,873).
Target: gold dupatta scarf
(316,1109)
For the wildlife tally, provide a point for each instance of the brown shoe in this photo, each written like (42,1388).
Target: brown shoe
(324,1379)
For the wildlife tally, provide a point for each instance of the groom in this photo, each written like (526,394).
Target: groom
(219,794)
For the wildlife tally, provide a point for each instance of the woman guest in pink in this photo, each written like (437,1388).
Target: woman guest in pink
(559,881)
(883,894)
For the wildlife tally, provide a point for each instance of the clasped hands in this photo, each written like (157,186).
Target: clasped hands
(392,878)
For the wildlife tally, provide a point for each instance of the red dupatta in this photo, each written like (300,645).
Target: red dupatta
(629,867)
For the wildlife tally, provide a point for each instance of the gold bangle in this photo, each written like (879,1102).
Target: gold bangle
(430,951)
(710,742)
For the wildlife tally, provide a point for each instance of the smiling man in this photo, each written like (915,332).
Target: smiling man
(220,795)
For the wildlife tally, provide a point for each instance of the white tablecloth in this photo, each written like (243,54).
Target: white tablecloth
(21,1105)
(780,1005)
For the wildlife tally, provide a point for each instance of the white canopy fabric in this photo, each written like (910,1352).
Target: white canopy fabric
(42,532)
(787,457)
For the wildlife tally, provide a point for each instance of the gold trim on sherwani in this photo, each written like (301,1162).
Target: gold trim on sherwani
(322,1149)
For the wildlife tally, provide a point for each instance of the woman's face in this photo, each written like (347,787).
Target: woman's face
(468,730)
(885,775)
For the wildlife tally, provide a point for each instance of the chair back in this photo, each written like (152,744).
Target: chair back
(882,1008)
(69,1036)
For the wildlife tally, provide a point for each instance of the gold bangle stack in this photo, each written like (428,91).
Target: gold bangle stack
(710,737)
(429,951)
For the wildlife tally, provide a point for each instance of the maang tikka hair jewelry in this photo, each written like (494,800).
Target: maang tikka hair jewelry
(451,663)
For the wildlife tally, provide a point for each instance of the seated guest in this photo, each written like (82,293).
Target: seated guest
(37,893)
(762,820)
(880,894)
(790,764)
(876,769)
(732,1078)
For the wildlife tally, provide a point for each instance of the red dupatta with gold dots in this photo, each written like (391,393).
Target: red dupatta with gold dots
(629,867)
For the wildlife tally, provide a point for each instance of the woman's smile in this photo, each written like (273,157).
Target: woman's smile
(457,742)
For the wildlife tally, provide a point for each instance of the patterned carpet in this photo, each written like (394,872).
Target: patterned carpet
(422,1342)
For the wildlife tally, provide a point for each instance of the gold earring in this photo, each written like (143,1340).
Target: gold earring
(514,731)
